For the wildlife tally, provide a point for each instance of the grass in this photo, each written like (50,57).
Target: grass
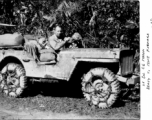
(65,104)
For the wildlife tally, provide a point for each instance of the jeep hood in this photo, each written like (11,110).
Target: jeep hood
(91,53)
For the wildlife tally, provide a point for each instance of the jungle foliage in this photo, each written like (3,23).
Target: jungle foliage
(102,23)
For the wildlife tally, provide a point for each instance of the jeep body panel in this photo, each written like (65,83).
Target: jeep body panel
(66,61)
(31,67)
(92,53)
(69,58)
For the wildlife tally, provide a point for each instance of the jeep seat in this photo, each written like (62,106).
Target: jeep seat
(29,37)
(43,56)
(46,55)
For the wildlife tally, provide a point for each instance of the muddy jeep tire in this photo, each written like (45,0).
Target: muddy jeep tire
(13,80)
(100,87)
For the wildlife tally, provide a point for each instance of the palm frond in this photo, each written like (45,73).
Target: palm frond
(68,8)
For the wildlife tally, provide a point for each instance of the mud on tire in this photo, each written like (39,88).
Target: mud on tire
(100,87)
(13,80)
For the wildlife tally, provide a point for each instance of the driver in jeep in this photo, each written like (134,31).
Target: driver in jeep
(47,50)
(55,42)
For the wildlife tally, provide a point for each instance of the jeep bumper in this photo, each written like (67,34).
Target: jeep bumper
(134,79)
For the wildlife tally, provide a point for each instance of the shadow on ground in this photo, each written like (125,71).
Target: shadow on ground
(61,89)
(56,89)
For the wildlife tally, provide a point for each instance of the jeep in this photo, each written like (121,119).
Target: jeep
(100,71)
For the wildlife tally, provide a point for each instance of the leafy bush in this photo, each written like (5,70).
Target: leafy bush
(103,24)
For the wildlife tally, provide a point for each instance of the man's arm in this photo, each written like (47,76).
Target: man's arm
(55,45)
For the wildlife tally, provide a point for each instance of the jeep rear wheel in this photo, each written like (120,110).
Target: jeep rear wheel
(13,80)
(100,87)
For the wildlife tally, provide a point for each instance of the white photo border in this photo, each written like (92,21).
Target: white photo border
(146,58)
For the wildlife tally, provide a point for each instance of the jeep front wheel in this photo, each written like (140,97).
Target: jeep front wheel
(13,80)
(100,87)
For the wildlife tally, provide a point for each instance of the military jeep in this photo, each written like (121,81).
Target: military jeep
(100,71)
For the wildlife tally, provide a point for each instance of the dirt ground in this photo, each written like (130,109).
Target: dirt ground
(43,106)
(35,114)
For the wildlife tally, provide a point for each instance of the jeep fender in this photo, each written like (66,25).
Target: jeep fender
(31,67)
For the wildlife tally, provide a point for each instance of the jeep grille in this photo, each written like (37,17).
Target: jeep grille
(126,62)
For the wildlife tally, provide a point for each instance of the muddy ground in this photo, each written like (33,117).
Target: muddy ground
(59,105)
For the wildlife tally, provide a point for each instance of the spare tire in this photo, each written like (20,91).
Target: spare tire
(15,39)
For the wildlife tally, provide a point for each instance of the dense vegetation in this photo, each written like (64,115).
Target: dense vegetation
(101,23)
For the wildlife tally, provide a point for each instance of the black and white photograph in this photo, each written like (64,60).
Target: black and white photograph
(72,59)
